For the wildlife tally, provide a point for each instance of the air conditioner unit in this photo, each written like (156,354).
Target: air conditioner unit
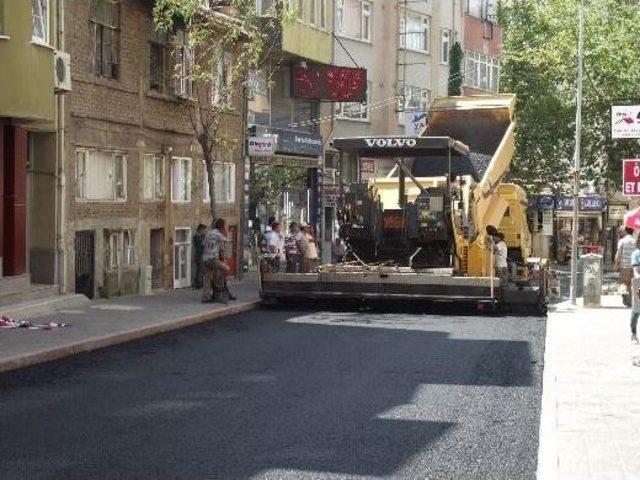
(62,72)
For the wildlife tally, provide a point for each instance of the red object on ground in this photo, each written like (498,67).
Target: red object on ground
(632,219)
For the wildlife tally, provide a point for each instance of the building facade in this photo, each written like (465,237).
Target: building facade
(29,211)
(482,47)
(136,183)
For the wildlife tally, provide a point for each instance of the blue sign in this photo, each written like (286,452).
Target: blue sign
(587,204)
(292,142)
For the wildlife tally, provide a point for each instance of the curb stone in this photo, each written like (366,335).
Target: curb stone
(104,341)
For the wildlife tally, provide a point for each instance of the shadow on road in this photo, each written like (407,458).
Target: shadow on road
(234,399)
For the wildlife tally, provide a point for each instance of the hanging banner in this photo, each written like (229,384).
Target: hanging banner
(329,82)
(414,123)
(625,121)
(631,177)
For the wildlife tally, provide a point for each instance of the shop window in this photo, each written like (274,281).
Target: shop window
(40,13)
(100,175)
(183,81)
(153,177)
(414,32)
(157,59)
(104,21)
(224,175)
(180,180)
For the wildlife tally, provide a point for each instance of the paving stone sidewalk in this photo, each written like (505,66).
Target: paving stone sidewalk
(106,322)
(590,423)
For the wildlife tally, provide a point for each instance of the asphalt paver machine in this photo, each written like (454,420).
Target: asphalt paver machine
(422,232)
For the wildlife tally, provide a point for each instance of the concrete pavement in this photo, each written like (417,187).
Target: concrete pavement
(590,422)
(107,322)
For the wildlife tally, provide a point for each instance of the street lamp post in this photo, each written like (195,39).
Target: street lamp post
(576,160)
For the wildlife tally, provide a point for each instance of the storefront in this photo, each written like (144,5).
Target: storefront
(285,176)
(590,227)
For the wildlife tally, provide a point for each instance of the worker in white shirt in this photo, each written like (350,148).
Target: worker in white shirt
(501,252)
(622,263)
(275,247)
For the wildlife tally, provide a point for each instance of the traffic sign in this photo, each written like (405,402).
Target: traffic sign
(631,177)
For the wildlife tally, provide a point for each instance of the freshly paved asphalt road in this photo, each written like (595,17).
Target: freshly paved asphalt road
(286,395)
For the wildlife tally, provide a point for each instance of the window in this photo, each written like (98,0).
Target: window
(153,177)
(474,8)
(414,32)
(301,9)
(120,248)
(157,59)
(312,12)
(446,46)
(339,17)
(323,14)
(354,110)
(128,248)
(482,72)
(224,177)
(416,99)
(104,22)
(180,179)
(2,17)
(222,80)
(488,30)
(365,21)
(183,84)
(100,175)
(40,12)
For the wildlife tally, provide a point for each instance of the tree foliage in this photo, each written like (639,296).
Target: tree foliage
(539,65)
(455,70)
(225,41)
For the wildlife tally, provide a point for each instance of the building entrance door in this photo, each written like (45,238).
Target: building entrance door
(85,254)
(156,257)
(182,258)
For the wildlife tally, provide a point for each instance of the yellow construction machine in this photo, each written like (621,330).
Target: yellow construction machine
(421,232)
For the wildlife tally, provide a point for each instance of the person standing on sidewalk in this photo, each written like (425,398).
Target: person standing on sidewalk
(198,250)
(213,265)
(308,249)
(291,249)
(622,263)
(635,293)
(501,252)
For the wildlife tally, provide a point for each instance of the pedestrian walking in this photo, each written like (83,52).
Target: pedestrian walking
(215,270)
(198,250)
(501,253)
(291,251)
(622,263)
(338,250)
(635,293)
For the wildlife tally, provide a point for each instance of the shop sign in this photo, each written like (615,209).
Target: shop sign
(616,212)
(587,204)
(367,170)
(261,146)
(547,222)
(329,82)
(546,201)
(625,121)
(292,142)
(332,195)
(631,177)
(414,123)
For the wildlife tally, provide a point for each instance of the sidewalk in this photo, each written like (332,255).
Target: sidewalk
(590,422)
(106,322)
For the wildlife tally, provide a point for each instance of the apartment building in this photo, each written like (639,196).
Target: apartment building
(404,46)
(482,47)
(29,211)
(277,110)
(136,183)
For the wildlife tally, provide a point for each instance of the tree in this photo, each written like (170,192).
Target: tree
(455,70)
(539,65)
(216,45)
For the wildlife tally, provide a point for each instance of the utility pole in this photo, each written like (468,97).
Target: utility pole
(576,159)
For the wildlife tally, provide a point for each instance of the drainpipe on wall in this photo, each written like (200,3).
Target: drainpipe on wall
(60,197)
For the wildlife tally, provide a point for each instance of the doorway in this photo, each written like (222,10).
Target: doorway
(182,258)
(156,257)
(85,254)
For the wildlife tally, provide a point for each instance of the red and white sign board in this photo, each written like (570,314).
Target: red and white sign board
(631,177)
